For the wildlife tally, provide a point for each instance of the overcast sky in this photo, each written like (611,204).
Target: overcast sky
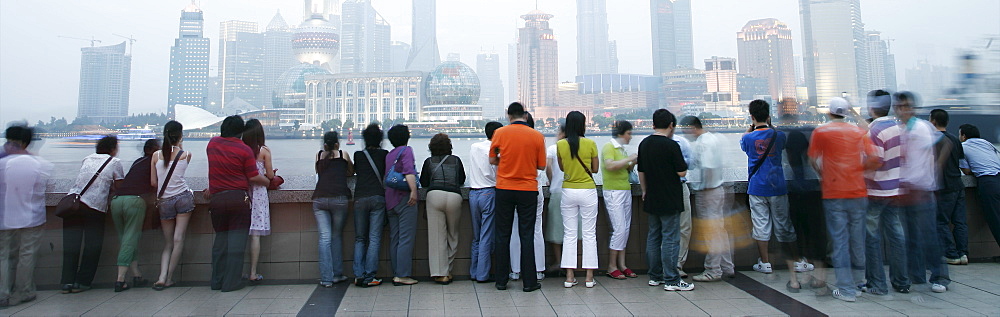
(39,72)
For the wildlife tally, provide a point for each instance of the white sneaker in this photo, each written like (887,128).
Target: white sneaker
(803,266)
(570,284)
(514,276)
(680,286)
(846,298)
(706,277)
(655,283)
(938,288)
(762,267)
(540,276)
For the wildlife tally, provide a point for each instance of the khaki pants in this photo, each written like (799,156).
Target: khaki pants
(22,278)
(444,211)
(685,232)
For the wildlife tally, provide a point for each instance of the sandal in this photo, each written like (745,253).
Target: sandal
(162,286)
(629,273)
(255,281)
(121,286)
(616,274)
(788,286)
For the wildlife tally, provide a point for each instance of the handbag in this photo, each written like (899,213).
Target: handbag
(633,176)
(395,179)
(69,205)
(276,182)
(166,181)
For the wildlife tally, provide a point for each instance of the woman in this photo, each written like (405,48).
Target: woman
(86,228)
(369,207)
(443,175)
(401,206)
(330,207)
(128,211)
(554,229)
(618,196)
(176,200)
(260,216)
(578,158)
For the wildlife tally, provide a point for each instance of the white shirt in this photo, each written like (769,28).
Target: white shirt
(97,195)
(705,157)
(482,174)
(557,174)
(918,170)
(178,184)
(22,191)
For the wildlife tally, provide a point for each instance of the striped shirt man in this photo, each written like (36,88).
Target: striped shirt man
(885,135)
(231,164)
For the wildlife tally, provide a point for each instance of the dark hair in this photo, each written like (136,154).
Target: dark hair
(940,117)
(836,116)
(969,131)
(491,127)
(440,145)
(232,127)
(760,110)
(20,134)
(399,135)
(576,128)
(330,140)
(253,136)
(373,136)
(873,96)
(620,128)
(691,121)
(150,146)
(663,119)
(107,144)
(516,110)
(909,98)
(529,119)
(173,131)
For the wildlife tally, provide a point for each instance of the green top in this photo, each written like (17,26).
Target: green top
(575,176)
(614,180)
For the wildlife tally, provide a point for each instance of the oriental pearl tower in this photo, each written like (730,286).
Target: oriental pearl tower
(316,40)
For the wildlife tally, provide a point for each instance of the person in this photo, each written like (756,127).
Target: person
(22,215)
(176,202)
(661,166)
(330,200)
(883,219)
(518,151)
(482,183)
(982,160)
(369,207)
(803,198)
(128,212)
(260,217)
(578,159)
(768,192)
(554,227)
(86,228)
(951,193)
(710,198)
(401,206)
(232,168)
(919,180)
(539,240)
(443,175)
(834,152)
(685,220)
(618,164)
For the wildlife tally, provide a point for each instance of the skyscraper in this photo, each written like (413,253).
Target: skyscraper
(765,52)
(424,55)
(491,87)
(278,55)
(105,74)
(228,31)
(832,40)
(189,58)
(327,8)
(881,64)
(537,62)
(512,83)
(592,45)
(673,45)
(365,42)
(722,94)
(399,52)
(613,49)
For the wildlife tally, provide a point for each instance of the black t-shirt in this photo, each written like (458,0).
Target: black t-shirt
(660,160)
(950,176)
(137,181)
(368,183)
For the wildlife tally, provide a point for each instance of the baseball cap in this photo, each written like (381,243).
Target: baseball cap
(840,106)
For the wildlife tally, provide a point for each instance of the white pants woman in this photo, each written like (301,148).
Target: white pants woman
(619,205)
(579,203)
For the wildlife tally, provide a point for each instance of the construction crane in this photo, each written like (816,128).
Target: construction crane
(91,39)
(131,41)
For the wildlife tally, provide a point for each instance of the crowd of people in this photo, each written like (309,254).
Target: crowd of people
(893,178)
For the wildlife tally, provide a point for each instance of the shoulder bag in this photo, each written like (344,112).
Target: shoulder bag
(763,157)
(166,181)
(395,179)
(589,173)
(69,205)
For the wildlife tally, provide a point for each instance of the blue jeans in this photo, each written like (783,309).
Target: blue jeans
(369,219)
(922,241)
(662,246)
(951,211)
(481,202)
(402,235)
(845,220)
(884,224)
(330,216)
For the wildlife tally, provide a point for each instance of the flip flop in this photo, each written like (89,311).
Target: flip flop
(161,286)
(256,280)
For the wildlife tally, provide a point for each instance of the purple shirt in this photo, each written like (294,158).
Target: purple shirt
(404,165)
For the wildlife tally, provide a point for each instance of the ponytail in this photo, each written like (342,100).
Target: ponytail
(172,133)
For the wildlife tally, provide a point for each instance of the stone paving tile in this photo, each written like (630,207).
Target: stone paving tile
(392,303)
(286,306)
(251,306)
(506,311)
(462,312)
(573,310)
(539,311)
(215,307)
(180,308)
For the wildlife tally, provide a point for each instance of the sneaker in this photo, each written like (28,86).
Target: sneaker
(681,273)
(903,290)
(680,286)
(965,260)
(374,282)
(762,267)
(938,288)
(846,298)
(863,287)
(514,276)
(655,282)
(955,261)
(706,277)
(803,266)
(540,275)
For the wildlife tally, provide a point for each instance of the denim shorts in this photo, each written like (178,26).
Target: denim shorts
(175,205)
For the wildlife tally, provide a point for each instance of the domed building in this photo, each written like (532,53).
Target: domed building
(290,92)
(316,41)
(452,93)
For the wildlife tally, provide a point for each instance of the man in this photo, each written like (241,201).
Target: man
(710,197)
(22,215)
(515,243)
(482,193)
(661,166)
(518,151)
(884,194)
(685,221)
(232,167)
(983,161)
(951,192)
(834,153)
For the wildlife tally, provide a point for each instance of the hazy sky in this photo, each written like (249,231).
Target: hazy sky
(39,72)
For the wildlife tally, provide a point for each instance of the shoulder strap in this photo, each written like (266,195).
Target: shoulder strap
(589,173)
(436,167)
(94,178)
(763,157)
(374,167)
(318,155)
(166,181)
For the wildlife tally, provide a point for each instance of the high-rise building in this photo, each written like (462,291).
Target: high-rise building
(833,49)
(399,52)
(613,49)
(673,45)
(105,74)
(512,83)
(365,42)
(537,61)
(765,52)
(228,31)
(722,91)
(189,58)
(881,64)
(592,49)
(278,55)
(424,55)
(684,90)
(491,87)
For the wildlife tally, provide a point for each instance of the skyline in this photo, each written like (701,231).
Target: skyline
(154,25)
